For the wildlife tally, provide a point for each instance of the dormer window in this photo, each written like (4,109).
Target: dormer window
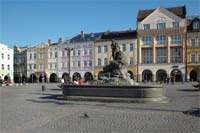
(195,25)
(161,24)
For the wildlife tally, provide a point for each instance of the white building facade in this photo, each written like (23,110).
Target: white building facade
(6,63)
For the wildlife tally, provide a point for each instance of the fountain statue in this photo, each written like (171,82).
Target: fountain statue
(116,71)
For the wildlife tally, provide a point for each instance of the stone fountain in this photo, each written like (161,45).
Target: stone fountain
(116,85)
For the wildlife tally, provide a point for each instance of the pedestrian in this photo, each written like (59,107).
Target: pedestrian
(62,81)
(183,79)
(80,82)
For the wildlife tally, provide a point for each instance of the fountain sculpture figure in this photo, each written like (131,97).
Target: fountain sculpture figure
(116,71)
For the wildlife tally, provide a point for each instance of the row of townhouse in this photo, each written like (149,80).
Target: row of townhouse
(166,44)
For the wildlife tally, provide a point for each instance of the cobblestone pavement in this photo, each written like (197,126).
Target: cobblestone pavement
(28,109)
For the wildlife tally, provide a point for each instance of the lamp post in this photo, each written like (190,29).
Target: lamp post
(21,78)
(68,54)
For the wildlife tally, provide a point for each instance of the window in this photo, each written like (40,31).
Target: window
(2,56)
(79,52)
(50,66)
(176,39)
(55,66)
(30,56)
(99,49)
(99,62)
(146,40)
(8,67)
(85,51)
(56,55)
(175,55)
(40,56)
(30,67)
(34,66)
(193,57)
(175,24)
(160,24)
(50,54)
(195,25)
(124,47)
(2,66)
(8,57)
(34,55)
(74,53)
(199,57)
(105,49)
(90,63)
(85,63)
(192,42)
(161,55)
(146,26)
(161,39)
(131,47)
(131,61)
(63,64)
(105,61)
(63,53)
(147,56)
(90,51)
(79,63)
(199,42)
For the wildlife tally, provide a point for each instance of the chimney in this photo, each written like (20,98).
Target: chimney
(82,34)
(49,41)
(60,40)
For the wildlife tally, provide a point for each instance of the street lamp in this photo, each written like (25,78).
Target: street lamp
(68,54)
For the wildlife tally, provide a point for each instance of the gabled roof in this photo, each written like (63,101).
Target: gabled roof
(86,38)
(130,34)
(179,11)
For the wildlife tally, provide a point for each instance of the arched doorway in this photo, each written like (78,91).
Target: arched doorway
(53,78)
(131,75)
(76,76)
(33,78)
(88,76)
(24,79)
(176,75)
(100,75)
(42,78)
(66,77)
(161,75)
(194,75)
(6,77)
(147,76)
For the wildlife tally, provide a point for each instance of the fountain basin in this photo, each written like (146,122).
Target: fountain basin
(137,93)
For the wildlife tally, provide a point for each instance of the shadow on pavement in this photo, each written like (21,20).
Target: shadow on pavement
(192,90)
(48,101)
(193,112)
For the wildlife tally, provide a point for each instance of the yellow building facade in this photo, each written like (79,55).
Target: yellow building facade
(103,52)
(193,49)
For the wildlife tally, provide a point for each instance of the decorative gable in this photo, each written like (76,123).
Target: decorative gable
(161,14)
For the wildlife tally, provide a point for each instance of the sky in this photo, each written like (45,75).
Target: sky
(31,22)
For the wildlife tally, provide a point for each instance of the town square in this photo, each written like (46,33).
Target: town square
(99,66)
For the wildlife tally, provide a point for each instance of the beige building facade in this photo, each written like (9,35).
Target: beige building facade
(161,44)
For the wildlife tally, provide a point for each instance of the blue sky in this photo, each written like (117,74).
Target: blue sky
(30,22)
